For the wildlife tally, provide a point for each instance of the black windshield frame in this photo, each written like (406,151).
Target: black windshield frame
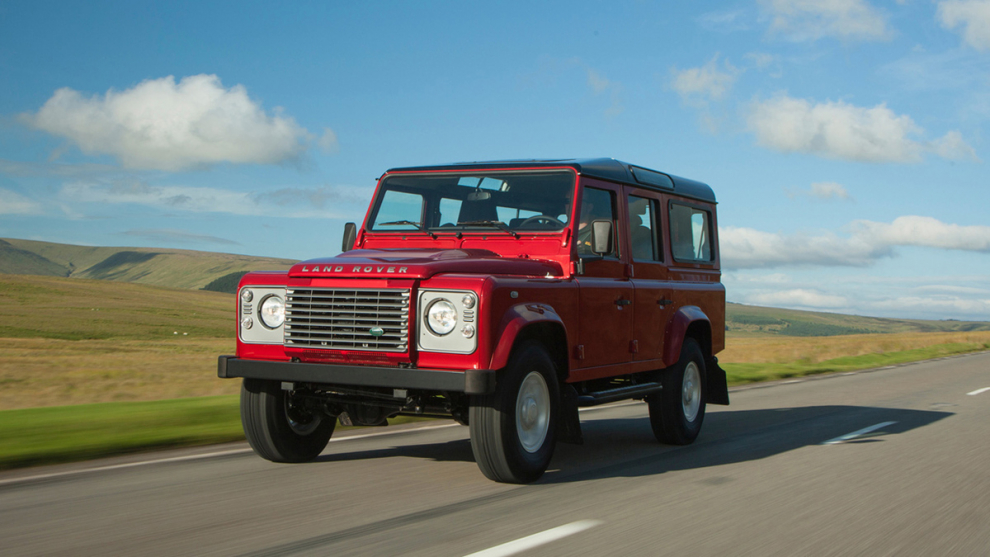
(516,201)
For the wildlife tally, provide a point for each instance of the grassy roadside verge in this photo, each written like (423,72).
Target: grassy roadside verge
(742,373)
(56,434)
(35,436)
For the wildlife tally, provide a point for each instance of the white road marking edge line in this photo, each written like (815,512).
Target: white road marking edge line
(536,540)
(197,456)
(857,433)
(979,391)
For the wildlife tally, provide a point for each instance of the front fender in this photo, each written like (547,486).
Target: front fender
(677,330)
(517,318)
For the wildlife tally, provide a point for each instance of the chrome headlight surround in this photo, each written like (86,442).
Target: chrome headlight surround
(259,319)
(448,321)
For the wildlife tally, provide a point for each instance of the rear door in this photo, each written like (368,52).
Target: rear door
(652,305)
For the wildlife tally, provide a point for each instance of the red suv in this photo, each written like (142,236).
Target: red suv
(505,295)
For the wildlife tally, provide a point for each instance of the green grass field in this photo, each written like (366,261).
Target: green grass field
(94,368)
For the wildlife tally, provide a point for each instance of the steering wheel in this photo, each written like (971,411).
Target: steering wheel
(538,218)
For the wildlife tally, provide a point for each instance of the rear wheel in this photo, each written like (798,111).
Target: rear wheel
(677,411)
(279,426)
(513,431)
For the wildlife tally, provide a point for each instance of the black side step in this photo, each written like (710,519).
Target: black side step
(622,393)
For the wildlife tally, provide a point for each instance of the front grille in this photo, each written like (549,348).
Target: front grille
(347,319)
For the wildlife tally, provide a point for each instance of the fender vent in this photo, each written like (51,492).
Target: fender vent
(347,319)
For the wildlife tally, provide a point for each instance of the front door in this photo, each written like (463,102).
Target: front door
(606,294)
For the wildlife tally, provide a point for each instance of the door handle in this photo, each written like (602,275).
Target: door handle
(623,302)
(664,302)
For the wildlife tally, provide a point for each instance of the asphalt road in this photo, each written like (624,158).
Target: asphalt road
(776,473)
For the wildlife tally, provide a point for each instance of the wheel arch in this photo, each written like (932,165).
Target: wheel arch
(692,322)
(537,322)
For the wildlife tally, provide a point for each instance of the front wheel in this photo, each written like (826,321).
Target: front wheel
(513,431)
(279,426)
(677,411)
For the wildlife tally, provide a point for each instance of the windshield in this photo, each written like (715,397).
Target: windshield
(506,201)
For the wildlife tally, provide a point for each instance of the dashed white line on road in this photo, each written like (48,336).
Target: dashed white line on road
(979,391)
(536,540)
(857,433)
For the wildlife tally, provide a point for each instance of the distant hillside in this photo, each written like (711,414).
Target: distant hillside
(14,261)
(78,309)
(160,267)
(744,319)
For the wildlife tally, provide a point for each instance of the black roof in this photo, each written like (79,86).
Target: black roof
(604,168)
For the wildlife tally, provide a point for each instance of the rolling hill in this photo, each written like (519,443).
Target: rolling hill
(743,319)
(159,267)
(200,270)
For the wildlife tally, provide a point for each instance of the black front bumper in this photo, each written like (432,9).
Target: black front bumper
(472,381)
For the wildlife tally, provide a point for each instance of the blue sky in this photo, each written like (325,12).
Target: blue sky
(845,139)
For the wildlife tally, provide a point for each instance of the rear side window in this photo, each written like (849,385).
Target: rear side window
(643,228)
(690,233)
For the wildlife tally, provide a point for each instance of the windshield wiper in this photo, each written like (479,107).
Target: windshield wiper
(493,223)
(418,225)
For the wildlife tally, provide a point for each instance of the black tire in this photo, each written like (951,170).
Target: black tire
(513,431)
(279,430)
(677,412)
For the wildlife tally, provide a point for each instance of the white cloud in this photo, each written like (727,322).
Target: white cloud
(824,191)
(318,202)
(725,21)
(328,141)
(164,125)
(708,82)
(746,248)
(799,297)
(810,20)
(972,15)
(760,60)
(600,84)
(13,203)
(952,146)
(829,190)
(838,130)
(935,307)
(925,232)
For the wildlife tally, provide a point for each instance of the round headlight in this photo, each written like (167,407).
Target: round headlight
(441,317)
(272,312)
(247,296)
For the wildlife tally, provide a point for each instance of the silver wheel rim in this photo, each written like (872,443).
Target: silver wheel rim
(300,423)
(691,391)
(533,412)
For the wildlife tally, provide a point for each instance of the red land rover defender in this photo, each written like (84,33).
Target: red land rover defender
(505,295)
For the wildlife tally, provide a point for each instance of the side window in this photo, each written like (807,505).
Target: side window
(642,229)
(690,233)
(399,211)
(596,204)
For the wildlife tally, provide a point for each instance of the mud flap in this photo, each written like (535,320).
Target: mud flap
(569,424)
(718,388)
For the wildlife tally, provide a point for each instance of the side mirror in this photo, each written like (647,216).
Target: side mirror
(601,237)
(350,235)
